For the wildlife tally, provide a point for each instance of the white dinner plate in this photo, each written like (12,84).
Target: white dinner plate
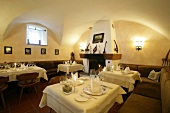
(80,98)
(79,82)
(84,78)
(87,90)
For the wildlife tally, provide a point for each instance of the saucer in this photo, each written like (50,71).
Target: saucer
(84,78)
(80,98)
(79,82)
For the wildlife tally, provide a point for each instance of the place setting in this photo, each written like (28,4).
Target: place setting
(95,88)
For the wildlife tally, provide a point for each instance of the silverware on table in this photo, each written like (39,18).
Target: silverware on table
(107,86)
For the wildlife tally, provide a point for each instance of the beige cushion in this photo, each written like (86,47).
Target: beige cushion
(163,70)
(145,79)
(147,89)
(165,96)
(154,75)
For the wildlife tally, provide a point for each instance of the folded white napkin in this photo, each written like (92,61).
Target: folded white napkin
(22,65)
(26,67)
(74,62)
(74,78)
(127,70)
(95,85)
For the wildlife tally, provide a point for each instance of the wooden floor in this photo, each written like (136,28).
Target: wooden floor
(29,102)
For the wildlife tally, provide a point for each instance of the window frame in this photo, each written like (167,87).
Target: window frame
(41,29)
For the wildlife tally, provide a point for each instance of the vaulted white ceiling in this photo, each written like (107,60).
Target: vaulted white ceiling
(68,19)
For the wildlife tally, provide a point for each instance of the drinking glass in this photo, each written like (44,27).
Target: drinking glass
(92,73)
(101,79)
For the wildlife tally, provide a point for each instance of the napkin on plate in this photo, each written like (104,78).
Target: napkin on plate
(74,62)
(74,78)
(23,66)
(127,70)
(95,85)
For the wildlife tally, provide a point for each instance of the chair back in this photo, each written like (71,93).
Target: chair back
(4,80)
(27,76)
(27,79)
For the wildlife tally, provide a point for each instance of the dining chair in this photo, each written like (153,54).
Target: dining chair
(27,80)
(3,86)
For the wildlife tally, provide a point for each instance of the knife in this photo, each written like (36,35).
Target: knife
(107,86)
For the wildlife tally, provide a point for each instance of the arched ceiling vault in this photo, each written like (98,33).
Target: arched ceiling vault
(69,19)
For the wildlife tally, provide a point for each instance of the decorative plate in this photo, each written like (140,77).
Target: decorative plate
(88,90)
(80,98)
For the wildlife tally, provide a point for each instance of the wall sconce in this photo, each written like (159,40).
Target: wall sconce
(139,44)
(82,46)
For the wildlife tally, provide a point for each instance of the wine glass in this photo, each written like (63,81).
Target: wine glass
(92,73)
(101,79)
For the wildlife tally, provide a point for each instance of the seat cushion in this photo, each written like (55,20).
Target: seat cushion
(147,89)
(27,83)
(145,79)
(140,104)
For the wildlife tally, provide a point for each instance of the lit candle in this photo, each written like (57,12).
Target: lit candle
(15,64)
(104,69)
(112,68)
(75,79)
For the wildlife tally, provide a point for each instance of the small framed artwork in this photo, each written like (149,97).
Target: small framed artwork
(43,51)
(98,38)
(7,50)
(56,51)
(28,51)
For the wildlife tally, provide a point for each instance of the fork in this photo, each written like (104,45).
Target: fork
(87,96)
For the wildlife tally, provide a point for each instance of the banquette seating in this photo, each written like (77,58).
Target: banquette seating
(149,96)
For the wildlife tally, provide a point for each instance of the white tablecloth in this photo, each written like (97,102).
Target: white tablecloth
(12,72)
(62,103)
(122,79)
(70,68)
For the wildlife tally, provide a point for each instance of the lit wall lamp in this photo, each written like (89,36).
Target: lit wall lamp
(139,44)
(82,46)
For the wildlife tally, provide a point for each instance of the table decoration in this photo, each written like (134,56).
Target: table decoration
(67,88)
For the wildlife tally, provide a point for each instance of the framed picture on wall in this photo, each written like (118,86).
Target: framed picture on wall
(7,50)
(56,51)
(98,38)
(43,51)
(28,51)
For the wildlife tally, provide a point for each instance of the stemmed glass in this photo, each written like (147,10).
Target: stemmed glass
(101,79)
(92,73)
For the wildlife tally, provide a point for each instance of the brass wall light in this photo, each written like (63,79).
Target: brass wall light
(139,44)
(82,46)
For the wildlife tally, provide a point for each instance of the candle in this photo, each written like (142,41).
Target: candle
(104,69)
(75,79)
(15,64)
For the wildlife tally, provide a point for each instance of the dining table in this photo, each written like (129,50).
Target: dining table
(70,67)
(121,78)
(13,72)
(79,101)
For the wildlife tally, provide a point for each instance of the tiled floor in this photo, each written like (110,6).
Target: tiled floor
(29,102)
